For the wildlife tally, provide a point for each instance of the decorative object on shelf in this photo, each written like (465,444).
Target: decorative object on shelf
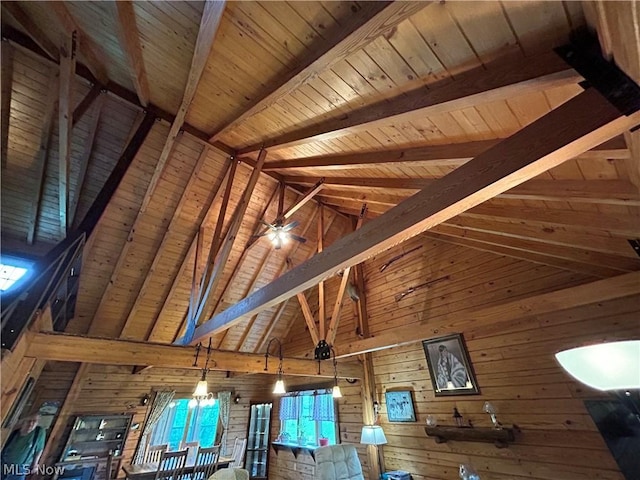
(449,366)
(457,417)
(335,392)
(467,472)
(279,387)
(373,435)
(432,421)
(400,406)
(491,410)
(500,438)
(201,395)
(606,366)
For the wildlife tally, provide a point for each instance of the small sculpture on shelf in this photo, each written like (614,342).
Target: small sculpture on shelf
(490,409)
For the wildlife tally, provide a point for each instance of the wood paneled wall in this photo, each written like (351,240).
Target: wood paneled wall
(513,361)
(114,389)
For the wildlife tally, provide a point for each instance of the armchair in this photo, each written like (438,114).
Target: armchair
(338,462)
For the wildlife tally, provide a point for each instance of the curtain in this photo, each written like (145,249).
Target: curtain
(289,407)
(323,408)
(159,405)
(225,405)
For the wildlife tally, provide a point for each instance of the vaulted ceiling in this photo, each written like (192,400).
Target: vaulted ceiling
(345,103)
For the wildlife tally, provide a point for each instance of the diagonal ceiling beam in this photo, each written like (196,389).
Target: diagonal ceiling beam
(130,42)
(574,127)
(65,117)
(7,88)
(498,80)
(374,19)
(88,49)
(78,348)
(34,32)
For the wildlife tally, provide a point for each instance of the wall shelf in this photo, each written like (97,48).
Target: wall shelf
(295,449)
(499,437)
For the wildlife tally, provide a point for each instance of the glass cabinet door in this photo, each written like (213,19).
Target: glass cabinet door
(257,460)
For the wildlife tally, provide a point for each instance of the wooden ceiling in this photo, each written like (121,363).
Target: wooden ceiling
(376,100)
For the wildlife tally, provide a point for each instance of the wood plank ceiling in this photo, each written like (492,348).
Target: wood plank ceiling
(375,99)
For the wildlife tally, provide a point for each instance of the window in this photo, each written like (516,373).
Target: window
(12,269)
(307,416)
(179,423)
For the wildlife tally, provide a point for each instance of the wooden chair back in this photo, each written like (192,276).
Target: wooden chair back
(206,462)
(192,448)
(154,454)
(171,465)
(239,448)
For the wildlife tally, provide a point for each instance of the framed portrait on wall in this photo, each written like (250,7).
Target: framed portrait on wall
(449,366)
(400,406)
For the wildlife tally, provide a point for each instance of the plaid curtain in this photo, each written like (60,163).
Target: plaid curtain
(160,403)
(289,408)
(323,408)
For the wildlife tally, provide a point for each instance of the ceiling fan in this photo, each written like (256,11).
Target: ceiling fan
(278,232)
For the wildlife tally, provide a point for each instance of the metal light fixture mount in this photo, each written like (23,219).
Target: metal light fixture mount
(201,395)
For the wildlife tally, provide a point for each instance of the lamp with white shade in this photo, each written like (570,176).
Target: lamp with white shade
(374,435)
(606,366)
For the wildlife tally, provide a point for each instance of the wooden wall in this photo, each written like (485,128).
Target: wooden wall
(513,361)
(114,389)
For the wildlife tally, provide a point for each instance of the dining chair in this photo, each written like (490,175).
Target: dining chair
(239,448)
(154,453)
(192,448)
(206,462)
(171,465)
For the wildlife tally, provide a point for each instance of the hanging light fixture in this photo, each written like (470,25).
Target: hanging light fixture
(606,366)
(278,388)
(201,395)
(336,393)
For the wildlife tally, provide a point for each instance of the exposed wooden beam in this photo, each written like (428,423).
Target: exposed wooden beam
(42,158)
(306,312)
(373,20)
(65,117)
(225,251)
(35,33)
(497,80)
(574,127)
(166,240)
(538,257)
(86,102)
(84,159)
(612,263)
(130,42)
(321,310)
(77,348)
(89,50)
(451,155)
(590,293)
(209,22)
(335,315)
(608,192)
(7,87)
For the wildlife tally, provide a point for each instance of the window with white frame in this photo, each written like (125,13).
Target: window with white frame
(180,424)
(307,416)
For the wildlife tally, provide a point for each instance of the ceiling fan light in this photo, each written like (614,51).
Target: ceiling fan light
(606,366)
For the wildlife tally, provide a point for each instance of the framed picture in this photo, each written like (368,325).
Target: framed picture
(449,366)
(400,406)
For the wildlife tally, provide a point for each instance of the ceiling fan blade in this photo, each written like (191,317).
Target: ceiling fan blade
(298,238)
(291,226)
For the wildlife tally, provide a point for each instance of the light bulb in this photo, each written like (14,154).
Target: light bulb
(193,403)
(279,389)
(336,393)
(201,389)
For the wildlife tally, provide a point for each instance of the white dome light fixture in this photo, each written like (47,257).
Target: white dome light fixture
(606,366)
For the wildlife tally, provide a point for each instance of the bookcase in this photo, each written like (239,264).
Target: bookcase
(257,459)
(94,448)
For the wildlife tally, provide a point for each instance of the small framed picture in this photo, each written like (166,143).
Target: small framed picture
(400,406)
(449,366)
